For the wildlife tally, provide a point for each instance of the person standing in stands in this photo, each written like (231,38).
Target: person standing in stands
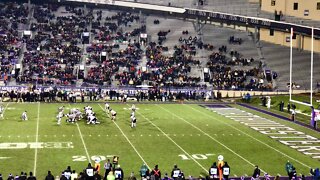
(31,177)
(74,175)
(213,171)
(132,177)
(67,172)
(144,171)
(118,172)
(115,161)
(49,176)
(23,176)
(111,176)
(226,171)
(288,167)
(89,172)
(107,167)
(97,165)
(156,173)
(293,174)
(175,172)
(256,172)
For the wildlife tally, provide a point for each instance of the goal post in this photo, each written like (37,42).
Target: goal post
(311,71)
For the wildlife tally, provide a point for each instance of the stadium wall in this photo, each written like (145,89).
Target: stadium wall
(282,38)
(287,8)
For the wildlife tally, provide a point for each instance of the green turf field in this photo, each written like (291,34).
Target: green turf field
(190,136)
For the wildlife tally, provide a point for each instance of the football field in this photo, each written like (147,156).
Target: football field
(189,135)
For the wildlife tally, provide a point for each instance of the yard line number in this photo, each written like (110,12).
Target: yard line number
(80,158)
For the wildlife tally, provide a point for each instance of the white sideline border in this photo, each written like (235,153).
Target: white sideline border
(211,138)
(172,141)
(37,139)
(251,137)
(133,147)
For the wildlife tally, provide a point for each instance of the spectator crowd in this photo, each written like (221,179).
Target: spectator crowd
(111,48)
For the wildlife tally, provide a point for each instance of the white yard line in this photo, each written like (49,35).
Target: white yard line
(251,137)
(37,139)
(133,147)
(246,160)
(83,143)
(5,108)
(205,169)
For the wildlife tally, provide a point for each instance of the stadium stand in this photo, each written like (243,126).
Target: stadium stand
(84,47)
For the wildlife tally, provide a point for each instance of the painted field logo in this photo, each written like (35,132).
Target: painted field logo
(298,140)
(34,145)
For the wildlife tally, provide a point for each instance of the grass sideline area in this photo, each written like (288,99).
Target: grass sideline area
(303,114)
(188,135)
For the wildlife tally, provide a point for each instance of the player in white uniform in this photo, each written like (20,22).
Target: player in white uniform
(1,111)
(113,114)
(107,108)
(78,115)
(24,116)
(133,121)
(87,108)
(92,119)
(59,117)
(133,108)
(61,109)
(71,118)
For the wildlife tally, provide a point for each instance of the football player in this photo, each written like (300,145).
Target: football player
(107,108)
(59,117)
(24,116)
(133,121)
(113,114)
